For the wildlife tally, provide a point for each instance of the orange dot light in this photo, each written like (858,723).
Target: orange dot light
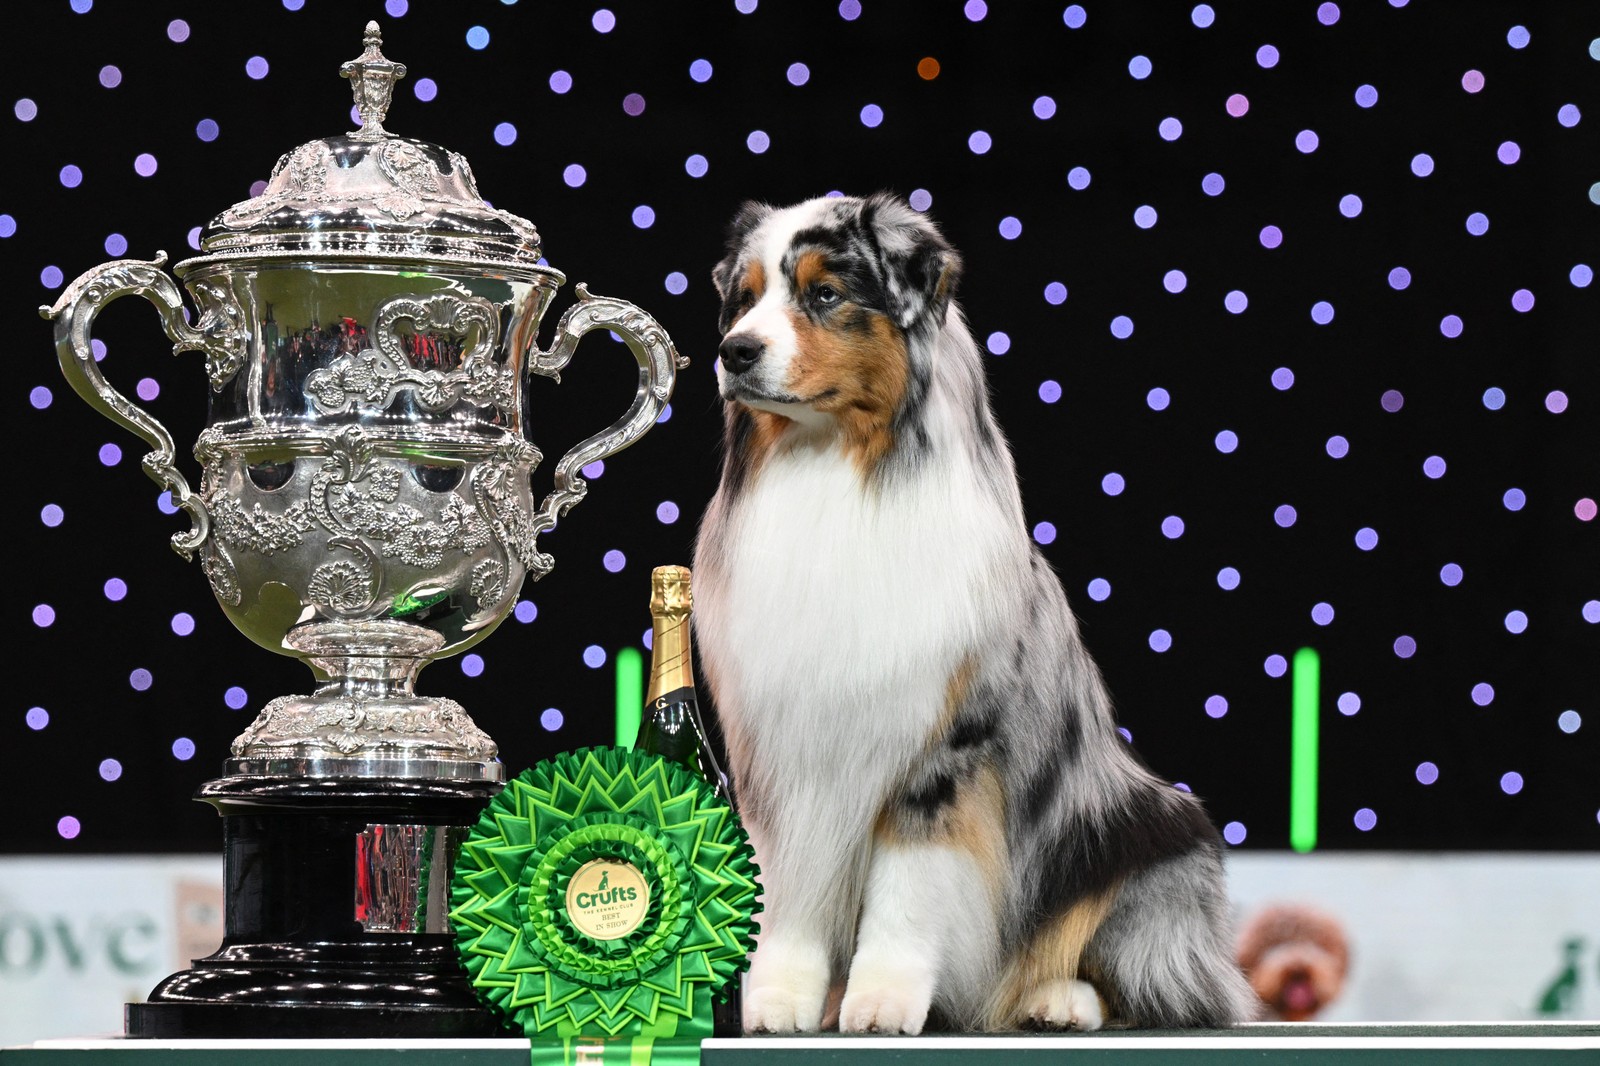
(928,68)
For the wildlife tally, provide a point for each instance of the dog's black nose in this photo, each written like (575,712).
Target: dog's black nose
(740,352)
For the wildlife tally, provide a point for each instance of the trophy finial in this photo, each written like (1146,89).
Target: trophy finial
(372,79)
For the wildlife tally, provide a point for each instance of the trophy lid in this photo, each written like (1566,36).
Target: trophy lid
(371,195)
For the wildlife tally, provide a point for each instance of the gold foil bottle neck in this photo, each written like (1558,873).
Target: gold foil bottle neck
(671,662)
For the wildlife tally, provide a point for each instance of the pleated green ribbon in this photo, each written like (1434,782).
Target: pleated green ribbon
(640,991)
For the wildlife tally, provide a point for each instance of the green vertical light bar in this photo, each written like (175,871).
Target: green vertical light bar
(630,695)
(1307,681)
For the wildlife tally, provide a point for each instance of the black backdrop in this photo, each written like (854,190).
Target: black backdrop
(1508,404)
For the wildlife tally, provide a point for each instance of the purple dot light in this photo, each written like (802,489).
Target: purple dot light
(1010,227)
(1399,278)
(1581,275)
(1569,721)
(44,616)
(1234,833)
(1275,665)
(1174,281)
(397,8)
(920,199)
(207,129)
(696,166)
(758,141)
(666,512)
(1450,326)
(675,283)
(1237,105)
(183,623)
(141,680)
(1422,164)
(1555,401)
(1139,67)
(574,175)
(110,769)
(1511,782)
(1078,178)
(425,89)
(1366,818)
(1328,13)
(1055,294)
(1285,516)
(1306,141)
(1216,706)
(998,343)
(1349,704)
(177,31)
(1366,538)
(235,698)
(1099,589)
(1322,312)
(1074,16)
(1049,391)
(1450,574)
(1202,16)
(1392,400)
(644,216)
(614,560)
(115,589)
(1283,379)
(1337,447)
(1405,647)
(40,397)
(183,749)
(1427,773)
(1144,216)
(1226,441)
(1522,300)
(256,66)
(1160,641)
(1517,622)
(1508,152)
(594,656)
(1158,399)
(1267,57)
(561,81)
(603,21)
(1518,37)
(472,665)
(1112,484)
(1044,533)
(979,142)
(8,226)
(1044,107)
(1322,614)
(1227,579)
(1366,96)
(1434,467)
(1271,236)
(1477,223)
(1585,509)
(1172,527)
(68,827)
(1350,205)
(51,515)
(110,76)
(110,454)
(1483,694)
(71,176)
(872,116)
(1236,302)
(1569,115)
(1170,129)
(551,719)
(1213,184)
(798,74)
(1122,327)
(1472,81)
(505,134)
(526,611)
(37,718)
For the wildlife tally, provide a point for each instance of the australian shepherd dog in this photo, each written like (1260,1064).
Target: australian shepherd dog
(948,823)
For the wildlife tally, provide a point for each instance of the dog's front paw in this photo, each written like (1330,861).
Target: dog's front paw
(783,1009)
(1065,1005)
(885,1006)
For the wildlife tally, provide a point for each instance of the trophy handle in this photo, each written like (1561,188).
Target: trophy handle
(74,314)
(659,363)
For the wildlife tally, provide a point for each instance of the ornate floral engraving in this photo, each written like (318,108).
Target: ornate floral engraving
(413,174)
(259,529)
(495,485)
(373,378)
(349,724)
(488,582)
(307,182)
(342,586)
(218,567)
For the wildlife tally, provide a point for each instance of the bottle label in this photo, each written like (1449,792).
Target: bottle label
(607,899)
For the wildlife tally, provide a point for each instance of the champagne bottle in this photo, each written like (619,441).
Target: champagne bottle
(671,725)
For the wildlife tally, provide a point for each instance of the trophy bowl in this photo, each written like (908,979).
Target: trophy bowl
(368,324)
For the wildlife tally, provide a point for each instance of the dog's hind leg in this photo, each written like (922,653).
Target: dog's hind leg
(928,932)
(1043,985)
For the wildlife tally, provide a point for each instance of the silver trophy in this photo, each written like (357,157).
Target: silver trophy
(367,324)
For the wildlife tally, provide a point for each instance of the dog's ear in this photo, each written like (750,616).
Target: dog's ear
(749,216)
(919,266)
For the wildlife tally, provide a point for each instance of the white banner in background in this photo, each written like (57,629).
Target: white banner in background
(1432,937)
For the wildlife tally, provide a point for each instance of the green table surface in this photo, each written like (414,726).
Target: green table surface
(1307,1045)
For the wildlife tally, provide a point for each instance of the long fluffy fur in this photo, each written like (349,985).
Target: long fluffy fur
(945,815)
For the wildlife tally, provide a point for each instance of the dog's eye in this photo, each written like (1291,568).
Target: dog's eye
(826,295)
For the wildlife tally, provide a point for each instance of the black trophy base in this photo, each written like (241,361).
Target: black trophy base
(332,930)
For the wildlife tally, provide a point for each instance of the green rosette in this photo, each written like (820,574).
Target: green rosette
(645,985)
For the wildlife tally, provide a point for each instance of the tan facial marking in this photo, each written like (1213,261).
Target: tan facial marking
(854,367)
